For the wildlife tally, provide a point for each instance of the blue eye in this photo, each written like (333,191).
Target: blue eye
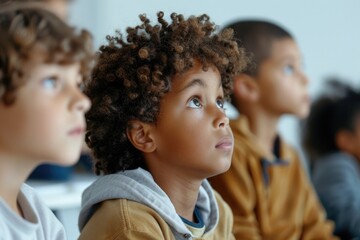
(81,86)
(195,103)
(288,70)
(220,103)
(50,83)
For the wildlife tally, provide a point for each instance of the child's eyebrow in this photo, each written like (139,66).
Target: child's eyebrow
(194,82)
(198,82)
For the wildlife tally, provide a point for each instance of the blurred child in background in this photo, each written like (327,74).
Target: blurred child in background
(50,171)
(43,63)
(331,139)
(266,186)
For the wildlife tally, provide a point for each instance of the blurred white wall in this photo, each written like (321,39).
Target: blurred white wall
(327,32)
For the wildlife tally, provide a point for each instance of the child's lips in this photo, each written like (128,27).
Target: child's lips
(77,131)
(225,143)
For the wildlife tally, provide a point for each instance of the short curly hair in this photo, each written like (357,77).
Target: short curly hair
(28,32)
(134,73)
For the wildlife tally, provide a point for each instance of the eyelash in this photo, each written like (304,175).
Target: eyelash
(198,102)
(222,103)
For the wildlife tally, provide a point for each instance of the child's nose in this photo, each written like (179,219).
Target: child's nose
(221,119)
(82,102)
(304,78)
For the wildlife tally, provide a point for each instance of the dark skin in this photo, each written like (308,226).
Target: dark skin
(192,116)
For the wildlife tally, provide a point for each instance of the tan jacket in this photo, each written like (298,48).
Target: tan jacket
(287,208)
(123,219)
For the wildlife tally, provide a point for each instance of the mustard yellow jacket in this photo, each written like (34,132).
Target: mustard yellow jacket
(285,207)
(121,219)
(130,205)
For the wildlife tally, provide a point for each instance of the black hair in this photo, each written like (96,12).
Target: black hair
(335,110)
(257,36)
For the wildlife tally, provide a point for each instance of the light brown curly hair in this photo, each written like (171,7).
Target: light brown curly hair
(28,32)
(134,72)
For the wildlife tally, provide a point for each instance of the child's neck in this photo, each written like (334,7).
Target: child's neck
(12,175)
(264,127)
(182,192)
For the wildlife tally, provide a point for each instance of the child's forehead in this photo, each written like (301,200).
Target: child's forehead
(280,45)
(197,68)
(198,75)
(40,54)
(38,68)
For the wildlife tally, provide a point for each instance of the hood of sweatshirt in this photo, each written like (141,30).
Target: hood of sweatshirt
(138,185)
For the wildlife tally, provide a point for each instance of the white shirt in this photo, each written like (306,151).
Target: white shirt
(39,223)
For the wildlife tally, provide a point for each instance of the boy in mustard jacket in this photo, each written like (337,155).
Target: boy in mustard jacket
(266,186)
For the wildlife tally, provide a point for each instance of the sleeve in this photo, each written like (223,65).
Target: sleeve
(338,188)
(315,224)
(236,188)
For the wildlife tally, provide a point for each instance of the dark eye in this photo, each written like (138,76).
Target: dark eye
(220,103)
(288,70)
(195,103)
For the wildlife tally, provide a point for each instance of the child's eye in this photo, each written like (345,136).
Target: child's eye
(220,103)
(289,70)
(81,86)
(195,103)
(50,83)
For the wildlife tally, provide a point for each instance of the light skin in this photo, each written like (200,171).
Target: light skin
(191,140)
(278,88)
(45,124)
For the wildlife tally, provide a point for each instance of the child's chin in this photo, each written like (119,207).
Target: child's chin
(303,114)
(68,160)
(226,165)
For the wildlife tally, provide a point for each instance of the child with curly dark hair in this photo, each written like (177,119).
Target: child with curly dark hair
(331,140)
(43,62)
(158,129)
(266,186)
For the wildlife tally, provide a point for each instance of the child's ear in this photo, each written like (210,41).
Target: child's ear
(139,134)
(344,141)
(245,88)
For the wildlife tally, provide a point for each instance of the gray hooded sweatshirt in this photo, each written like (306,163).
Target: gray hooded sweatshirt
(138,185)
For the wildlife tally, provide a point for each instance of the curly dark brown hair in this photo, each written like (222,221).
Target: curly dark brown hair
(29,32)
(133,73)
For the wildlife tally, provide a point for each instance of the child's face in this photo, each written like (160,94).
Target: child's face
(282,83)
(46,121)
(192,133)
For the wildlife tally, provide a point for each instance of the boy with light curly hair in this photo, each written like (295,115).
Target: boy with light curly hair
(43,63)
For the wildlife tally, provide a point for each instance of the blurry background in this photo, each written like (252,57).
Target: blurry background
(327,32)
